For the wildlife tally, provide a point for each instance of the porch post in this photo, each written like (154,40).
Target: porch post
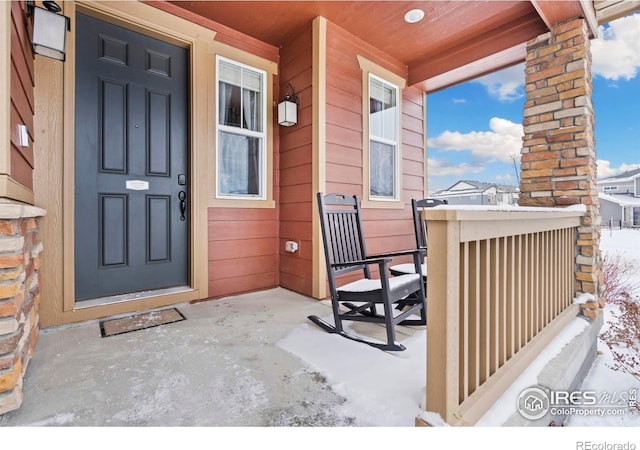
(558,165)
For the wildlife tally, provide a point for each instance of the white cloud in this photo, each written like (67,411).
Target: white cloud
(506,84)
(506,177)
(503,141)
(616,52)
(442,168)
(605,170)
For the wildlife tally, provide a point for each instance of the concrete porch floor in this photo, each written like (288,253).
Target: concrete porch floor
(220,367)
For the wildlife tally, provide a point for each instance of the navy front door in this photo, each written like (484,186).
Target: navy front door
(131,180)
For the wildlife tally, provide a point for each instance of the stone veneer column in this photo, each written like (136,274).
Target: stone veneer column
(558,156)
(20,249)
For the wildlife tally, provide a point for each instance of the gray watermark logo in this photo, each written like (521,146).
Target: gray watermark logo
(536,401)
(533,403)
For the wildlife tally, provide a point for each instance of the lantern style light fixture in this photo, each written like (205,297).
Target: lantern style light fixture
(288,108)
(49,29)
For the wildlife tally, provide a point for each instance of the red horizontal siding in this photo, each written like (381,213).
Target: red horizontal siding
(224,231)
(242,248)
(294,194)
(245,248)
(296,157)
(385,229)
(296,212)
(22,97)
(299,175)
(238,285)
(296,171)
(242,267)
(291,230)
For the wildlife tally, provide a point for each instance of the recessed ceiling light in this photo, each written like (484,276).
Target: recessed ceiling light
(413,16)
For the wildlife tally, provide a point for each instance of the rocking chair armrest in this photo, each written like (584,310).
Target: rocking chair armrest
(363,261)
(418,251)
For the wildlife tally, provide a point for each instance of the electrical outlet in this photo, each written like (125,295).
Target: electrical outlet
(291,246)
(23,135)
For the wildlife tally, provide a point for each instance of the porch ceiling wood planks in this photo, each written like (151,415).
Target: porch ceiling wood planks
(453,34)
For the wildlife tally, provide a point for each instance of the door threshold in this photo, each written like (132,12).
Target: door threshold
(133,296)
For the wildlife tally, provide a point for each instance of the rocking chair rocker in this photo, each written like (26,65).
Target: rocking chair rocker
(345,252)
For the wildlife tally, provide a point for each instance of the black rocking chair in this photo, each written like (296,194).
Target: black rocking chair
(420,229)
(345,252)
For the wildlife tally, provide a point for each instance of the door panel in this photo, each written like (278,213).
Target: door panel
(130,148)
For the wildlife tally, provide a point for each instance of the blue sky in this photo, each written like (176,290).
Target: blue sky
(474,129)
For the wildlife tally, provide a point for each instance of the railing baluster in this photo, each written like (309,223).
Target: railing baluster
(464,315)
(544,282)
(510,294)
(485,314)
(474,329)
(494,309)
(504,275)
(519,295)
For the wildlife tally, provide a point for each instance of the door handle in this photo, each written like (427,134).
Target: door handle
(182,196)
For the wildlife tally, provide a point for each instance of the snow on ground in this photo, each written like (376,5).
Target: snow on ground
(602,378)
(386,389)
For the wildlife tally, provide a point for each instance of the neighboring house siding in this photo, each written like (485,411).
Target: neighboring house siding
(384,229)
(610,210)
(22,102)
(467,200)
(295,199)
(622,187)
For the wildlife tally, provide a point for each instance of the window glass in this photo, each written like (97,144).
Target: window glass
(381,168)
(383,139)
(383,111)
(239,172)
(241,163)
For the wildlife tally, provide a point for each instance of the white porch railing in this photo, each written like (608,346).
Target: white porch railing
(500,287)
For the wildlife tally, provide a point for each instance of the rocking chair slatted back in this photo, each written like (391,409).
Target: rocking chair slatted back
(341,223)
(420,225)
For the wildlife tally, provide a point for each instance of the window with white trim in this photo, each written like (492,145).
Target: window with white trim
(610,188)
(241,161)
(383,139)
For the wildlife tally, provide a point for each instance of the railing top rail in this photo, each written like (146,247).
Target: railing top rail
(488,222)
(492,212)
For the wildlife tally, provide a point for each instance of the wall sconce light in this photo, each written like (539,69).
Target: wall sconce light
(49,29)
(288,108)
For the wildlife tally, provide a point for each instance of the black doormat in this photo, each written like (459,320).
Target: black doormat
(137,322)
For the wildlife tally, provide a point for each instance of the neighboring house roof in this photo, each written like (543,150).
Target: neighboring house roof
(622,200)
(623,177)
(470,187)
